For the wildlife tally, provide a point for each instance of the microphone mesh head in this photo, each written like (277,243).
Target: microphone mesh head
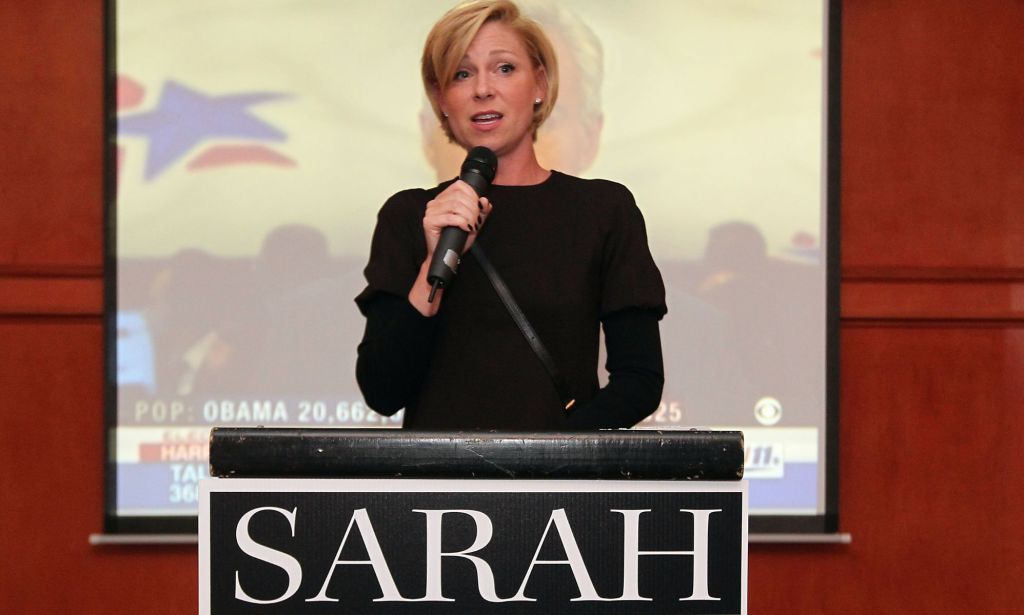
(483,161)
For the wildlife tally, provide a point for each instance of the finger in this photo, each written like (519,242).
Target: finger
(461,187)
(456,202)
(472,214)
(441,221)
(485,210)
(441,216)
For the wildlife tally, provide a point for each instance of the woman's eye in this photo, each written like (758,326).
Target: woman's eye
(462,74)
(506,68)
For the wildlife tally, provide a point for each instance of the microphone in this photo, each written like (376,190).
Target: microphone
(478,171)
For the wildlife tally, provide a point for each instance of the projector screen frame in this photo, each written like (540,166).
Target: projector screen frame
(781,525)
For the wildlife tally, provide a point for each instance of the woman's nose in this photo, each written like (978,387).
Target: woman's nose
(482,90)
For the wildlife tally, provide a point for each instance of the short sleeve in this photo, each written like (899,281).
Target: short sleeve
(630,279)
(397,248)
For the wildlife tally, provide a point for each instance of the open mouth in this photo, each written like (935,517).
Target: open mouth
(486,118)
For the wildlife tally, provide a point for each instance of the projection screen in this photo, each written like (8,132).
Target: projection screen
(252,142)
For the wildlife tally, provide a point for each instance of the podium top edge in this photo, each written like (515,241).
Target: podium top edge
(338,452)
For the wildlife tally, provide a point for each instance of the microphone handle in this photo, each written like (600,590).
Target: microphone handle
(447,256)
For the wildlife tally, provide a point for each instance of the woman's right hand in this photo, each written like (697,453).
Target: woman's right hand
(458,205)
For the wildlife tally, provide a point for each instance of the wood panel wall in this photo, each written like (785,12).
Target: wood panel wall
(51,340)
(932,341)
(932,337)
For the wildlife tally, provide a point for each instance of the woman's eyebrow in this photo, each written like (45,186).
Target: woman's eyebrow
(490,53)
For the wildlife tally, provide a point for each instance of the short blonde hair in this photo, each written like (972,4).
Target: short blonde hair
(452,35)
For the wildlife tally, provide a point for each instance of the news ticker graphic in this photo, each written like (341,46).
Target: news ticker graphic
(427,546)
(248,411)
(159,468)
(782,465)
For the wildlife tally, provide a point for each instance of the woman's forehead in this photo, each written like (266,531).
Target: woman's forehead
(495,38)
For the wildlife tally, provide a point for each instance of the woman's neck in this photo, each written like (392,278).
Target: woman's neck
(520,168)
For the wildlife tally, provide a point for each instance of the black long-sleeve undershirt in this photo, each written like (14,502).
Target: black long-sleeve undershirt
(394,354)
(636,374)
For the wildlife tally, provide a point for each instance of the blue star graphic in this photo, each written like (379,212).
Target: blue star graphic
(184,118)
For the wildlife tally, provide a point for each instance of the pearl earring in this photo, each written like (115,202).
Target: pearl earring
(536,102)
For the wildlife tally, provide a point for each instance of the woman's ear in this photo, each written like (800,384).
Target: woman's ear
(435,97)
(541,77)
(433,94)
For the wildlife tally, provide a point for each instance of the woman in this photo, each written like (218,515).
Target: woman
(573,253)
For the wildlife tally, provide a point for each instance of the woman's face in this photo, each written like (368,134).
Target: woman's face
(490,101)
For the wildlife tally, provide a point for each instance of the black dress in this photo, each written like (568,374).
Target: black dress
(574,254)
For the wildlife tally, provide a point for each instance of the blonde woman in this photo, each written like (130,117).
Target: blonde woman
(572,252)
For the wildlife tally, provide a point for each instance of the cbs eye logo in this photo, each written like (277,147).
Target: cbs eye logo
(768,411)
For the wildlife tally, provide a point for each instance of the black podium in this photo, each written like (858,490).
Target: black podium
(387,521)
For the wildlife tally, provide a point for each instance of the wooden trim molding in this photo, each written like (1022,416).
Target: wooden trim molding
(23,295)
(992,296)
(50,271)
(933,274)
